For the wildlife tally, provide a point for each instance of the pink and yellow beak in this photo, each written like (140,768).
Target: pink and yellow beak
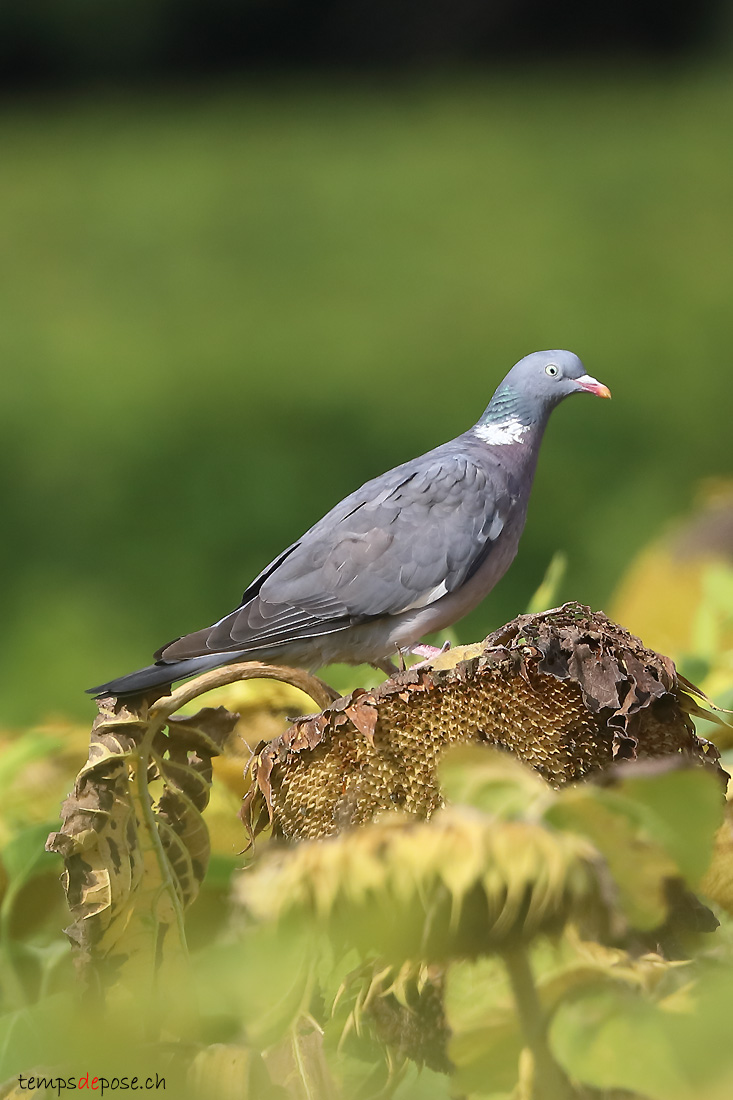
(592,385)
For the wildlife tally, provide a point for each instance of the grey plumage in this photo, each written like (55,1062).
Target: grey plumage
(408,553)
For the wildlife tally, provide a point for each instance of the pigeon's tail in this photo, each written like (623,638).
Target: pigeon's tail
(162,673)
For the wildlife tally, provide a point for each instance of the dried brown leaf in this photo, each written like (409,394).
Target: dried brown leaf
(135,844)
(135,858)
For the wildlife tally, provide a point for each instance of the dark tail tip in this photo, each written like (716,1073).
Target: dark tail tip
(162,674)
(137,682)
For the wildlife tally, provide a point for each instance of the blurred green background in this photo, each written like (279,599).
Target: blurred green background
(225,306)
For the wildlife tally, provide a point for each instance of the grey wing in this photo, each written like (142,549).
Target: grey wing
(404,546)
(400,542)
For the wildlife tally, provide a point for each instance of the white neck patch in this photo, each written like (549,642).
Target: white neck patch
(506,431)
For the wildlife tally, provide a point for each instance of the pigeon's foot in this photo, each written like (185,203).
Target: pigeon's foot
(429,652)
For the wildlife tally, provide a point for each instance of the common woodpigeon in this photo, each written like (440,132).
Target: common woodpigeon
(408,553)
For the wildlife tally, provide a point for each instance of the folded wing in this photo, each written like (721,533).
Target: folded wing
(401,542)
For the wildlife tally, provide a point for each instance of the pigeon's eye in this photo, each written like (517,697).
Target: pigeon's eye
(551,369)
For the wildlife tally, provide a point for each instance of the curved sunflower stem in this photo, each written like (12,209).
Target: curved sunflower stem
(318,690)
(550,1082)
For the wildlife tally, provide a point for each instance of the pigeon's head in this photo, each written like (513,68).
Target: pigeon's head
(548,376)
(529,393)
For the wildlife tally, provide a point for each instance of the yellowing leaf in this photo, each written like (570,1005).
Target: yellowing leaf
(615,1039)
(717,883)
(639,869)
